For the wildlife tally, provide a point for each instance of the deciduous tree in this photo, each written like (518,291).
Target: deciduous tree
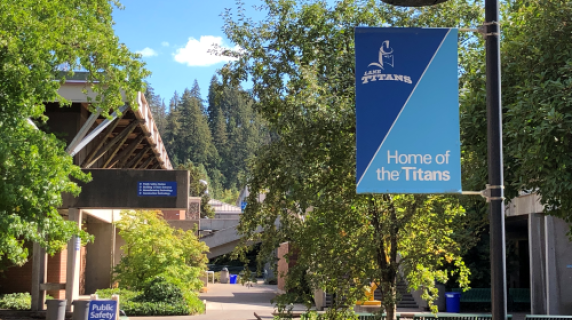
(536,78)
(301,63)
(41,43)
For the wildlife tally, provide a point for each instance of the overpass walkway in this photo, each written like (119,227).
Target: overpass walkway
(221,241)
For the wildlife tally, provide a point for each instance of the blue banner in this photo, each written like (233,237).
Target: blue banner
(157,188)
(407,111)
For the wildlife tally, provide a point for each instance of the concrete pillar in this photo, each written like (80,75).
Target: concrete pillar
(537,263)
(39,276)
(99,257)
(73,261)
(552,299)
(563,253)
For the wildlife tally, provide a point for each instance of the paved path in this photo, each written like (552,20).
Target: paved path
(238,302)
(233,302)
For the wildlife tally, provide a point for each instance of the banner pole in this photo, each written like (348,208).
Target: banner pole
(495,160)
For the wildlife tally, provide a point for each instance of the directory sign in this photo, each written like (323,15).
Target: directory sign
(407,111)
(157,188)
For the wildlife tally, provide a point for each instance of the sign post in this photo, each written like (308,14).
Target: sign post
(407,111)
(401,131)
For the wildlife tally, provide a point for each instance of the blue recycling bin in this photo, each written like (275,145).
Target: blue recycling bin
(453,301)
(233,278)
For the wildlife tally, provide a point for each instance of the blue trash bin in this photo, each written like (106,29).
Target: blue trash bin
(233,278)
(453,301)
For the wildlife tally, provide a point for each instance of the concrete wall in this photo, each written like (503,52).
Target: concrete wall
(523,205)
(99,263)
(550,265)
(218,224)
(117,188)
(562,284)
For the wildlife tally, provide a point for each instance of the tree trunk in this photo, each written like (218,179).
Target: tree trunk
(390,298)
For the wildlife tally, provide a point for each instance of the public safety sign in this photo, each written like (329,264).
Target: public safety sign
(102,310)
(407,111)
(157,188)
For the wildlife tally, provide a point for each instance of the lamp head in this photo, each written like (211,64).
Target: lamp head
(413,3)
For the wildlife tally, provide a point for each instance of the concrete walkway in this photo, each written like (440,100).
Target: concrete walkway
(233,302)
(238,302)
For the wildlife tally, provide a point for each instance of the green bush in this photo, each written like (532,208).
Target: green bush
(160,290)
(124,294)
(132,308)
(158,297)
(16,301)
(160,273)
(154,248)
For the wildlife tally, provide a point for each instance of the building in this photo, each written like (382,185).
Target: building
(130,169)
(542,258)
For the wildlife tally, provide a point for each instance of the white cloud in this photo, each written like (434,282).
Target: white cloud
(165,44)
(196,52)
(147,52)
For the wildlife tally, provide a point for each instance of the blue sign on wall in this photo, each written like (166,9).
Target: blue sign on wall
(242,205)
(157,188)
(407,111)
(102,310)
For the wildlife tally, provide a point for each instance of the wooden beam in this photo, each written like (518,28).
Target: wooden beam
(101,142)
(135,161)
(122,157)
(147,162)
(156,165)
(111,143)
(52,286)
(129,130)
(82,132)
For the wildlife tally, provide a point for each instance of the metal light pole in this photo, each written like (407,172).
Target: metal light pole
(495,160)
(495,188)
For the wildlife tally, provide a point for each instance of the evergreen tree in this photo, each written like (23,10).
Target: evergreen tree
(194,141)
(214,99)
(220,136)
(172,129)
(217,124)
(158,108)
(244,134)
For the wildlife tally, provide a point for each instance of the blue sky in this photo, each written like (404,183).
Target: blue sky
(173,37)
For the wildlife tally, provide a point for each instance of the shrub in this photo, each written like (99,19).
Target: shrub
(161,268)
(153,248)
(158,297)
(160,290)
(124,294)
(132,308)
(16,301)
